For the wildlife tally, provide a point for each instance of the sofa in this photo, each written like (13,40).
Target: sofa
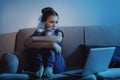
(76,44)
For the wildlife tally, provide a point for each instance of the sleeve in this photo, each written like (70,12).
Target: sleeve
(36,33)
(58,30)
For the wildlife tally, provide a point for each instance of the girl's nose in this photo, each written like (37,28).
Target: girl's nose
(54,24)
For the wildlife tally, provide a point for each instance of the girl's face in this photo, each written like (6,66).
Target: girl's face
(51,22)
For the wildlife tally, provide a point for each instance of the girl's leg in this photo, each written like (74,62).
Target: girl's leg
(59,65)
(49,59)
(36,62)
(40,65)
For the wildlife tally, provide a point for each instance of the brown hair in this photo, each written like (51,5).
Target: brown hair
(46,12)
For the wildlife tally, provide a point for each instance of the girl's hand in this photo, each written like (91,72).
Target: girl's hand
(57,48)
(59,36)
(40,30)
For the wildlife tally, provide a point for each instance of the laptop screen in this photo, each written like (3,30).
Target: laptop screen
(98,60)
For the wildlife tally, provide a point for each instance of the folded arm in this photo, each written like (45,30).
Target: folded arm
(49,42)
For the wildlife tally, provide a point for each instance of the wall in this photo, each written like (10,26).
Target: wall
(16,14)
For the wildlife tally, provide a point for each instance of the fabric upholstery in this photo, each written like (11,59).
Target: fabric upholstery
(89,77)
(8,76)
(9,63)
(111,74)
(73,36)
(102,35)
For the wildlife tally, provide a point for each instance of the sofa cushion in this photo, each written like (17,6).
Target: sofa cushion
(9,63)
(89,77)
(7,76)
(115,62)
(112,73)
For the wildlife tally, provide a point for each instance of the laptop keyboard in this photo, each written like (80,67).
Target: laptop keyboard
(74,73)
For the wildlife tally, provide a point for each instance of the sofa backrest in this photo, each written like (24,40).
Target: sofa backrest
(103,35)
(73,37)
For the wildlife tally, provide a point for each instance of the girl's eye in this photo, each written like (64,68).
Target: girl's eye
(51,21)
(54,22)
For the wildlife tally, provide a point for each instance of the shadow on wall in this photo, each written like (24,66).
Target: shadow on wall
(7,42)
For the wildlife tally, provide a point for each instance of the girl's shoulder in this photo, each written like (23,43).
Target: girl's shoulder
(58,30)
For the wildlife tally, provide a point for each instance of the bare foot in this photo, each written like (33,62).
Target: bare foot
(40,72)
(48,72)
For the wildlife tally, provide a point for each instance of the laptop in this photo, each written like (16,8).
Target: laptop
(98,60)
